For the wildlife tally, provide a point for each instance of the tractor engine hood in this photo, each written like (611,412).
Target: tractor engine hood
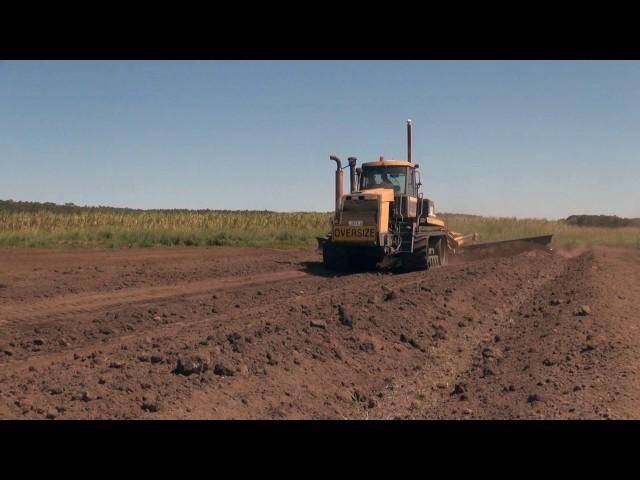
(384,194)
(367,208)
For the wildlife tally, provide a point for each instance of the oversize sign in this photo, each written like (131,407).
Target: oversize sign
(354,234)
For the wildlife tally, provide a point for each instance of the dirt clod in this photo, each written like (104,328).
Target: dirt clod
(84,396)
(458,389)
(190,364)
(344,317)
(583,311)
(388,294)
(317,323)
(222,370)
(150,403)
(534,397)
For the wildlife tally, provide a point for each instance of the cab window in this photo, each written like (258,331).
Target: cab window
(384,177)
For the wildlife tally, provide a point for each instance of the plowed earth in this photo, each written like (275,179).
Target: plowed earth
(243,333)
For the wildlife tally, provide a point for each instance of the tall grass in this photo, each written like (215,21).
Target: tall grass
(44,225)
(504,228)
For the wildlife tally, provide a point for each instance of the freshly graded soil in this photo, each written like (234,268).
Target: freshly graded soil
(261,333)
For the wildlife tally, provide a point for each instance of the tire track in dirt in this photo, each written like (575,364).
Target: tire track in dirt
(298,298)
(31,276)
(82,308)
(550,359)
(174,328)
(573,349)
(524,363)
(75,304)
(435,386)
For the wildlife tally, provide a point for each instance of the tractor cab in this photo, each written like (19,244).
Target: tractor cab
(397,175)
(396,182)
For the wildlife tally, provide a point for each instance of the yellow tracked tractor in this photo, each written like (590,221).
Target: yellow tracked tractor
(385,216)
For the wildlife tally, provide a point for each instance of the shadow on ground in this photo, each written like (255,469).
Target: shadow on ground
(319,270)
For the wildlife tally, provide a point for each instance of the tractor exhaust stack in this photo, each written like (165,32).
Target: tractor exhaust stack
(409,140)
(353,175)
(339,185)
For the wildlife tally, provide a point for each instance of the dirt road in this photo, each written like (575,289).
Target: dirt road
(243,333)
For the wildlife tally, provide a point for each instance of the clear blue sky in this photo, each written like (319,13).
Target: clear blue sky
(526,139)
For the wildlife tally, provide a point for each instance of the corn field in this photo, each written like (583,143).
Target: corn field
(124,227)
(48,225)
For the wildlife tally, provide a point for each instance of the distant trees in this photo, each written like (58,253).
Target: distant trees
(70,207)
(602,221)
(31,207)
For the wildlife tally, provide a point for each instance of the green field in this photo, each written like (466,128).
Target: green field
(26,224)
